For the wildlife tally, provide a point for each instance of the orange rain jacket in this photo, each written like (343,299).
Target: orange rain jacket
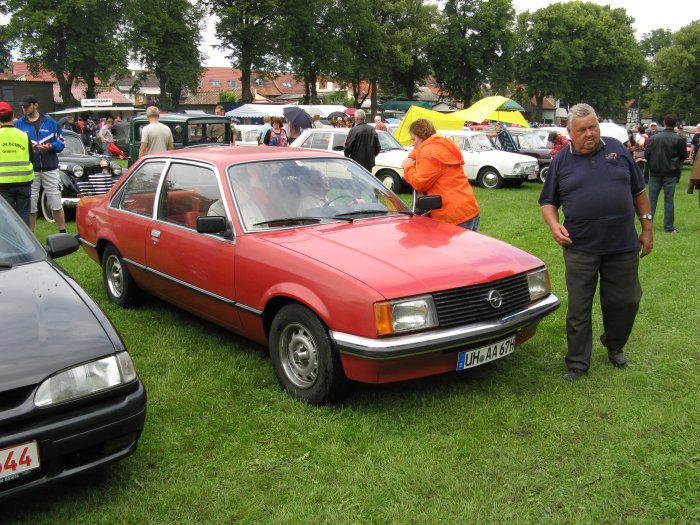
(438,171)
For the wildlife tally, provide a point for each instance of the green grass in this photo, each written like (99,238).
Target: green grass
(509,442)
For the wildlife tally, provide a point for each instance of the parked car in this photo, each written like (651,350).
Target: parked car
(490,167)
(82,173)
(247,134)
(388,164)
(71,399)
(532,145)
(305,252)
(188,130)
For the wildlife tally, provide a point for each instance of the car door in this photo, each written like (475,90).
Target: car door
(196,270)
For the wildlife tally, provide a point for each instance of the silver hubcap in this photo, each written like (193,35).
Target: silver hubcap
(298,355)
(490,179)
(115,278)
(388,181)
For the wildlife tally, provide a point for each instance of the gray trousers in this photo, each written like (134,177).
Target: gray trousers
(620,293)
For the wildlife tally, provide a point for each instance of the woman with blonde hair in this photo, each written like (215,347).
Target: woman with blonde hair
(435,167)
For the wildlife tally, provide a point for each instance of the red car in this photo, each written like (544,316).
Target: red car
(305,252)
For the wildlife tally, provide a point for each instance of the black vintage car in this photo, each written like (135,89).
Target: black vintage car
(70,398)
(82,173)
(531,144)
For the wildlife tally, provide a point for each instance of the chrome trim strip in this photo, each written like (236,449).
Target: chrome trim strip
(446,339)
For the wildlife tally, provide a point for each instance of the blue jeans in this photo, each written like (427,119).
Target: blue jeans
(105,151)
(472,224)
(669,186)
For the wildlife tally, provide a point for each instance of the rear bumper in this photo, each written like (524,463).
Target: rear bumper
(418,355)
(78,441)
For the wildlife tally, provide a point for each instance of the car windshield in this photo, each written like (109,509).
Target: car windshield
(388,142)
(299,192)
(74,145)
(481,142)
(17,244)
(531,141)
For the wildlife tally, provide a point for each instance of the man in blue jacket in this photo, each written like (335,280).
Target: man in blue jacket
(46,137)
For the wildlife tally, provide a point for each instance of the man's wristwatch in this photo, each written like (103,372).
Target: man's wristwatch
(647,216)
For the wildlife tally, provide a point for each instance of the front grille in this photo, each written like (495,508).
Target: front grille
(94,182)
(467,305)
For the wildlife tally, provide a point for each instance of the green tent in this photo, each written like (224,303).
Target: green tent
(404,105)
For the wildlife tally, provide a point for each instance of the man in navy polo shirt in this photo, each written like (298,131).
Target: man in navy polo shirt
(600,189)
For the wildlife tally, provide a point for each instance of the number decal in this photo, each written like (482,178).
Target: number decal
(25,459)
(10,464)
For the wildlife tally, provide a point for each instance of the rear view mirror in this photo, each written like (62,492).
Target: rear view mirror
(429,202)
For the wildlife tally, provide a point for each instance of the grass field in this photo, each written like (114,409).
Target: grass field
(509,442)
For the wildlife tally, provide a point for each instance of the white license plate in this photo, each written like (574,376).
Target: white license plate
(479,356)
(17,460)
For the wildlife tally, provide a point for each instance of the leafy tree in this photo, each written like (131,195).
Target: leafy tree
(579,52)
(653,42)
(165,38)
(245,28)
(676,75)
(62,37)
(474,46)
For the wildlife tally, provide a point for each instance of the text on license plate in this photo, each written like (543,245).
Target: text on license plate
(479,356)
(17,460)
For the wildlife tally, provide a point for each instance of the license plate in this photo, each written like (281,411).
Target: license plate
(18,460)
(479,356)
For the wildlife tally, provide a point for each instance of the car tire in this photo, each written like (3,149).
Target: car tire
(490,179)
(303,358)
(119,284)
(44,209)
(391,180)
(542,175)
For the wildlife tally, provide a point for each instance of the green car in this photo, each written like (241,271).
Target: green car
(188,130)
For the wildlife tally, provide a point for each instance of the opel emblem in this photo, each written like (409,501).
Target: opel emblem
(494,299)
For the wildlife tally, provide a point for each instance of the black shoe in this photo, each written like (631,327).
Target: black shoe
(574,374)
(617,359)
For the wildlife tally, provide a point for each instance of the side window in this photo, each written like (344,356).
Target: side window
(189,192)
(318,141)
(195,134)
(339,141)
(139,191)
(178,135)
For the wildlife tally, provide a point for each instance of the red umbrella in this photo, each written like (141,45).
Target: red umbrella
(350,112)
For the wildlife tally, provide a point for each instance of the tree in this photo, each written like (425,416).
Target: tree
(676,74)
(166,35)
(473,47)
(245,29)
(61,37)
(579,52)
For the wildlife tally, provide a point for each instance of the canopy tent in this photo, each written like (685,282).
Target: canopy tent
(258,110)
(95,109)
(439,120)
(322,109)
(497,108)
(404,105)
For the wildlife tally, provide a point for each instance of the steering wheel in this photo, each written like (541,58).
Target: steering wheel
(350,197)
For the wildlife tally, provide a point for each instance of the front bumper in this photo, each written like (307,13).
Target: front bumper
(377,356)
(77,441)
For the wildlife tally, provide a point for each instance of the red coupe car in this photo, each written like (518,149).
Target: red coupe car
(305,252)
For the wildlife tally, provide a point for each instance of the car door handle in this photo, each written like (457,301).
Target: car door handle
(155,234)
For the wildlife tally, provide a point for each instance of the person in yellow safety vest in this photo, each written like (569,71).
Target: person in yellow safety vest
(16,168)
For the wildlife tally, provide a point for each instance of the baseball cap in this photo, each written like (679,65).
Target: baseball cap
(27,100)
(5,108)
(653,124)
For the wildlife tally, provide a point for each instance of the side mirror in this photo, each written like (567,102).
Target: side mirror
(429,202)
(214,224)
(60,244)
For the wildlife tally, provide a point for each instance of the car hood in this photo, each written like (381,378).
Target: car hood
(393,158)
(505,156)
(47,325)
(83,160)
(402,256)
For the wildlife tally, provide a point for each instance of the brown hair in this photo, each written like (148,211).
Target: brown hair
(276,119)
(422,128)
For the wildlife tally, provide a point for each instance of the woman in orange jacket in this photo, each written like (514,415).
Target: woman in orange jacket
(434,167)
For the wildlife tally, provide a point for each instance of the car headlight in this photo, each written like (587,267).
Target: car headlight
(116,169)
(78,171)
(405,315)
(518,168)
(86,379)
(538,284)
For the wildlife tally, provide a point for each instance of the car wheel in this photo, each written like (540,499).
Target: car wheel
(517,183)
(490,179)
(303,358)
(120,286)
(542,175)
(44,206)
(391,180)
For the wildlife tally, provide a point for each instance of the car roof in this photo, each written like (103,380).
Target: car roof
(225,155)
(461,132)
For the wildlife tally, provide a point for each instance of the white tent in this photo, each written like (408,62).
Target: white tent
(322,109)
(258,110)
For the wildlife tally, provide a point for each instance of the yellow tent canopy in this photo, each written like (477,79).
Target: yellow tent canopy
(439,120)
(493,108)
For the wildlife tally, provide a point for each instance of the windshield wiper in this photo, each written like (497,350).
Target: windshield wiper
(370,212)
(300,219)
